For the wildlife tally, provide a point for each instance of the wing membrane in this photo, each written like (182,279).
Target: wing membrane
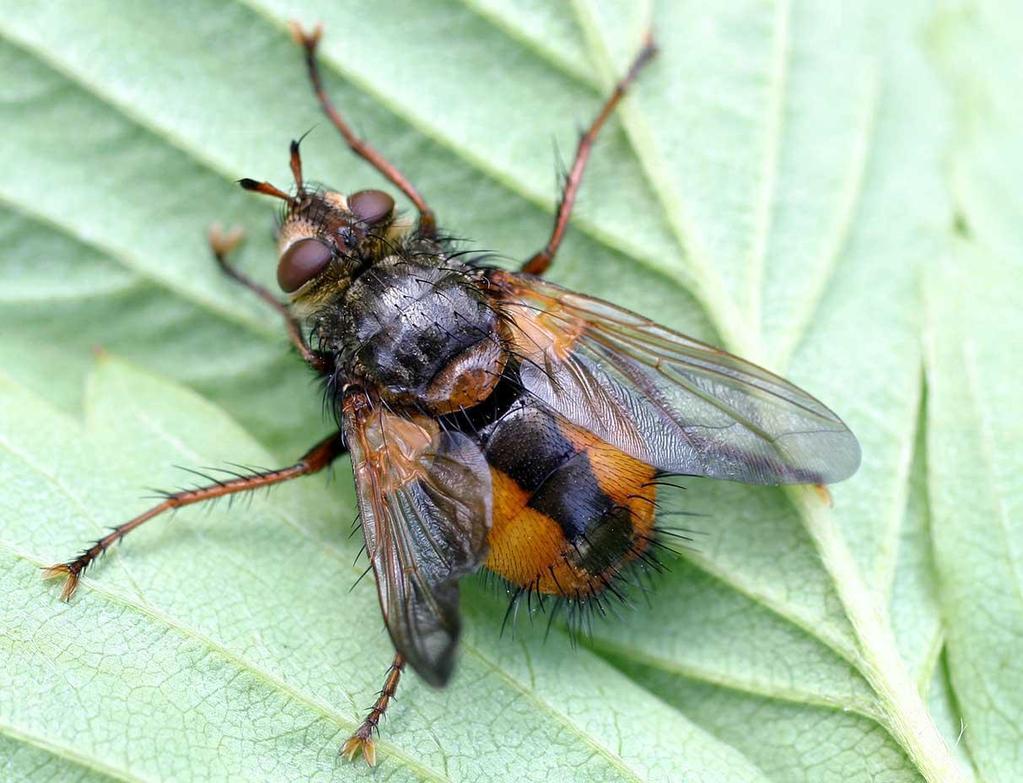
(425,501)
(671,401)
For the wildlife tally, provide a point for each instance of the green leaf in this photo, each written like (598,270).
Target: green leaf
(779,182)
(974,382)
(202,655)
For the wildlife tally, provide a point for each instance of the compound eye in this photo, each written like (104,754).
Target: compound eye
(301,262)
(370,206)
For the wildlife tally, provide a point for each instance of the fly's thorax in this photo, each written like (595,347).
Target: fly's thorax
(418,333)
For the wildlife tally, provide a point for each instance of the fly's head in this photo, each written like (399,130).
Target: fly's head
(326,238)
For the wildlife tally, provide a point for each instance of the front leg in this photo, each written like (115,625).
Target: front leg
(222,244)
(309,41)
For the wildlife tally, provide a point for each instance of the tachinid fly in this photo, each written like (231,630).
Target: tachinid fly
(495,420)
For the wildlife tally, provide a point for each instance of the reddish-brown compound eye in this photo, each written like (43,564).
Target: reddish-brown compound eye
(370,206)
(301,262)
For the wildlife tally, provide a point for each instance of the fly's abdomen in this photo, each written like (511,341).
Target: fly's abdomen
(570,511)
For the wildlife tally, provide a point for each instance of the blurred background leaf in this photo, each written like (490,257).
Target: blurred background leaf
(826,190)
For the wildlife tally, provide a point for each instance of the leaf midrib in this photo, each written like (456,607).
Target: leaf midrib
(835,241)
(742,336)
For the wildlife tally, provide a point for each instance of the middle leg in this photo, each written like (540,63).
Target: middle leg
(539,263)
(314,460)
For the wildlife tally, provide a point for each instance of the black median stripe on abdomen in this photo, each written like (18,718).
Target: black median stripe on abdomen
(600,531)
(572,497)
(528,446)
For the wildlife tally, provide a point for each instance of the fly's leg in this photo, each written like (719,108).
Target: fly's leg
(309,41)
(540,262)
(222,244)
(314,460)
(362,740)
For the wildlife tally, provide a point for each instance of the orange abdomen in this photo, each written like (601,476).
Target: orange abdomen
(570,511)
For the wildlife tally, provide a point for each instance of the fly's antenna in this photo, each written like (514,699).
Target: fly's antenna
(296,162)
(266,189)
(272,190)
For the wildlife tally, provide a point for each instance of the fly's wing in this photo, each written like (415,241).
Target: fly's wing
(673,402)
(425,502)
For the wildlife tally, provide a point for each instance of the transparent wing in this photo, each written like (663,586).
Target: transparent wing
(425,502)
(675,403)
